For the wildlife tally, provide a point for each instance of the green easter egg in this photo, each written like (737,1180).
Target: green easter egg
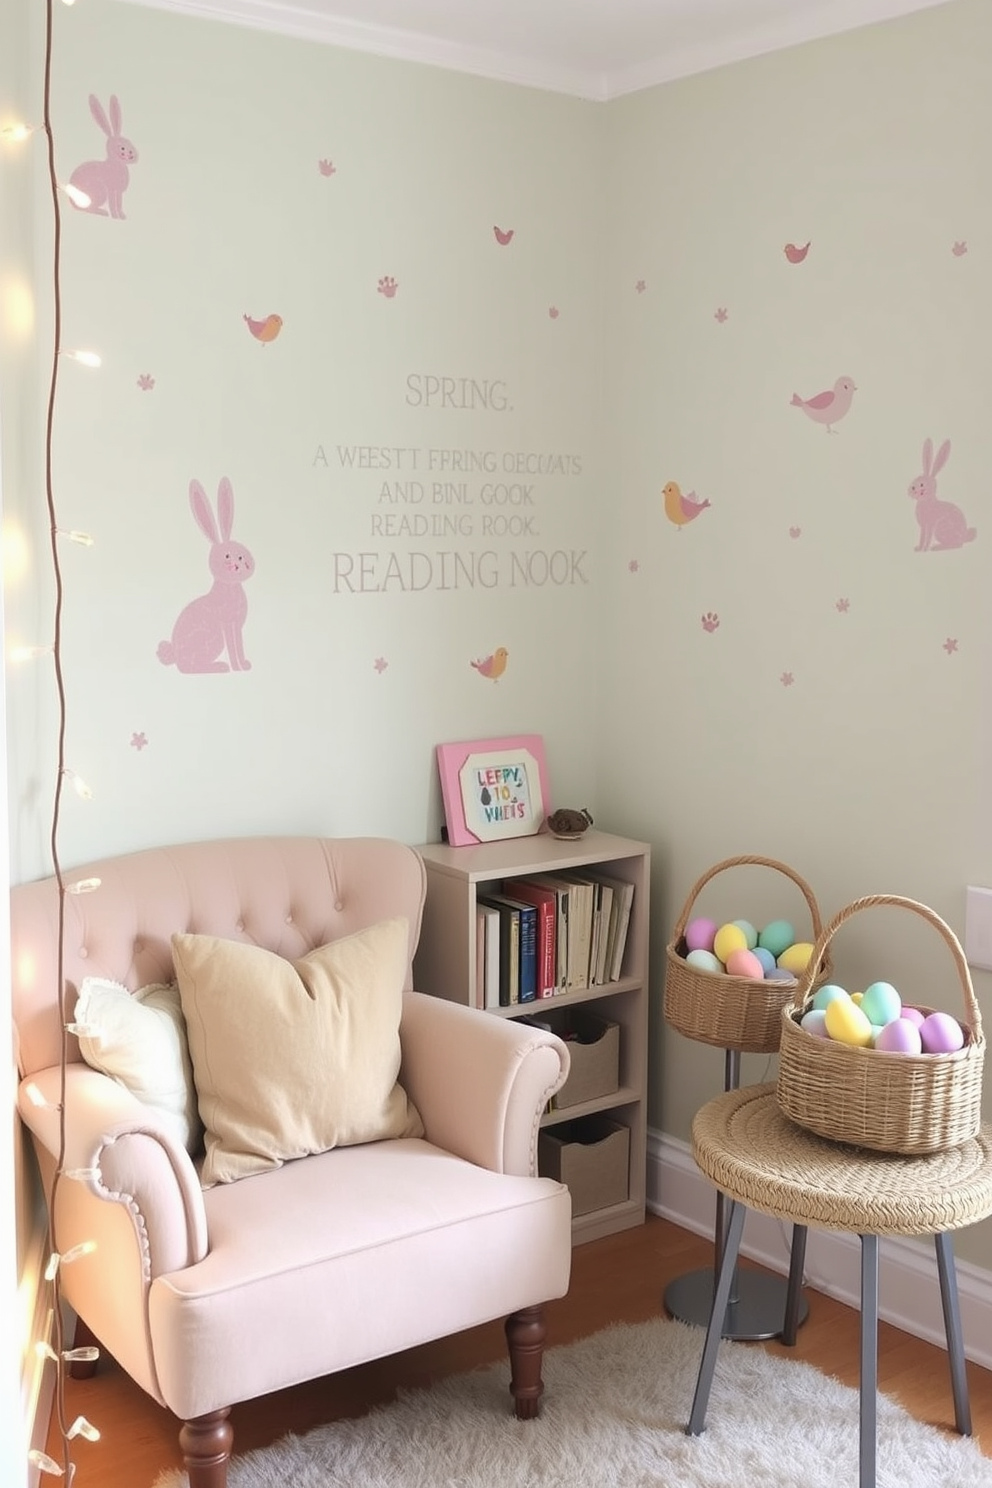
(776,937)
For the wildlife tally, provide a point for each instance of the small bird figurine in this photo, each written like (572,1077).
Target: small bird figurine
(828,407)
(492,666)
(794,254)
(264,330)
(681,509)
(503,236)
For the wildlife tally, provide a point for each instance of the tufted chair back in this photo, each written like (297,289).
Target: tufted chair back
(287,894)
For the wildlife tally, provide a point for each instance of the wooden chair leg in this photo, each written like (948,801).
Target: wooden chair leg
(525,1334)
(206,1446)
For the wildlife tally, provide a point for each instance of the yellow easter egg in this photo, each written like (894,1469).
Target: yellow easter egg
(856,997)
(729,938)
(795,958)
(848,1024)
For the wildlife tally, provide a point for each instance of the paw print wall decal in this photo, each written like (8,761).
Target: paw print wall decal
(388,286)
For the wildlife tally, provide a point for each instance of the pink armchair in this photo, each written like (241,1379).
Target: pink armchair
(210,1296)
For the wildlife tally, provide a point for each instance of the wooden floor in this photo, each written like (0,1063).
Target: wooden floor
(619,1279)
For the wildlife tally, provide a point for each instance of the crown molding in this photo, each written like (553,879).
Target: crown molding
(311,23)
(791,29)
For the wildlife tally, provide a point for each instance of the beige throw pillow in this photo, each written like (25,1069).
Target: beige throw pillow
(294,1057)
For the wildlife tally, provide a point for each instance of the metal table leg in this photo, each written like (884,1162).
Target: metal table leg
(869,1361)
(707,1363)
(952,1327)
(757,1303)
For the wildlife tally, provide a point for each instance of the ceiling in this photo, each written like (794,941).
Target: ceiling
(592,48)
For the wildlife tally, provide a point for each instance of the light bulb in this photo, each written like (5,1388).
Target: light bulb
(83,886)
(46,1463)
(87,1355)
(44,1350)
(82,1175)
(36,1098)
(29,653)
(79,784)
(86,358)
(82,1427)
(76,196)
(15,133)
(76,1252)
(84,1030)
(84,539)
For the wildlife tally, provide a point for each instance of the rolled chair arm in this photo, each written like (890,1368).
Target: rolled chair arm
(481,1083)
(128,1158)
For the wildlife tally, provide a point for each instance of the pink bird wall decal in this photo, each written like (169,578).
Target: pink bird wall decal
(794,254)
(828,407)
(503,236)
(492,666)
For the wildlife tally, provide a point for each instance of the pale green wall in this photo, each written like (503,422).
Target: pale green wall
(871,772)
(227,213)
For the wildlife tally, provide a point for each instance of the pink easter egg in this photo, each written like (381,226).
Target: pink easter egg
(901,1036)
(699,935)
(744,963)
(914,1015)
(941,1034)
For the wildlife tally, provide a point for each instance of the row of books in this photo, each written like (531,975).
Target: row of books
(549,934)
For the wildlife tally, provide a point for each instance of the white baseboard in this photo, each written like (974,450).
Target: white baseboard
(909,1294)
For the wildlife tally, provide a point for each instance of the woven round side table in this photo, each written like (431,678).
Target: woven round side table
(759,1159)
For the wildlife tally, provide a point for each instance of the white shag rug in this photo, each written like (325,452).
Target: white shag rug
(613,1416)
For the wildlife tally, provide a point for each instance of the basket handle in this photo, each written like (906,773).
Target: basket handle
(871,901)
(701,883)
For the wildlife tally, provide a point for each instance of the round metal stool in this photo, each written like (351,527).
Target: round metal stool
(761,1160)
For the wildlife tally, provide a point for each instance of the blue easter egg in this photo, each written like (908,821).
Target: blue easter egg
(776,937)
(765,957)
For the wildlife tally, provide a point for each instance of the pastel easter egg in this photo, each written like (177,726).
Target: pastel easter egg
(704,961)
(901,1036)
(914,1015)
(881,1002)
(699,934)
(750,933)
(744,963)
(827,994)
(729,938)
(857,997)
(847,1024)
(779,974)
(795,958)
(815,1022)
(941,1034)
(776,936)
(765,957)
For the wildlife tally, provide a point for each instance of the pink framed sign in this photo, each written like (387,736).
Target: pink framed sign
(493,788)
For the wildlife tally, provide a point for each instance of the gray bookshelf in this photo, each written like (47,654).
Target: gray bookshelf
(445,966)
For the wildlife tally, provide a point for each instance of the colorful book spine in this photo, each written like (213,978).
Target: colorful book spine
(545,902)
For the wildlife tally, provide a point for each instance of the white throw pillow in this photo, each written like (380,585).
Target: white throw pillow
(139,1040)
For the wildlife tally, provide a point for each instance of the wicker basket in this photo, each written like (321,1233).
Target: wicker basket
(730,1012)
(910,1104)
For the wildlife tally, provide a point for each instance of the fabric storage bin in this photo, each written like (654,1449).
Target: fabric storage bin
(594,1049)
(591,1157)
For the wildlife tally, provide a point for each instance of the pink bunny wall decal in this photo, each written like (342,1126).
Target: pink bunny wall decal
(105,181)
(942,524)
(213,623)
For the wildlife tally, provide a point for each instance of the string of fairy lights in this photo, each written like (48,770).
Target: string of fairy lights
(54,1349)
